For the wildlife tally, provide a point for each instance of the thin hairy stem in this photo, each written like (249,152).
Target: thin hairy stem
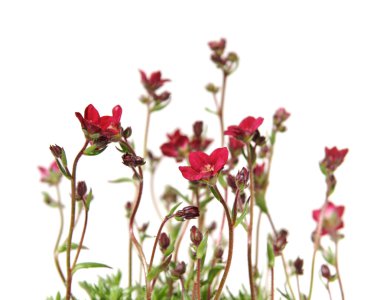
(338,271)
(147,123)
(59,237)
(80,245)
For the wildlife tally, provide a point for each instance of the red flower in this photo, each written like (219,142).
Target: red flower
(332,220)
(258,170)
(203,166)
(333,158)
(245,130)
(235,144)
(50,175)
(96,126)
(177,145)
(153,82)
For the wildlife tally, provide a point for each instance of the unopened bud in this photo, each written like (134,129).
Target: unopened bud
(195,235)
(162,97)
(144,227)
(179,269)
(132,161)
(212,88)
(280,242)
(81,189)
(298,266)
(325,272)
(127,132)
(187,213)
(219,253)
(242,178)
(198,128)
(56,151)
(211,227)
(164,241)
(232,57)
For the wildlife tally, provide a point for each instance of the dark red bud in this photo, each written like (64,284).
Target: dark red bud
(81,189)
(195,235)
(179,269)
(298,266)
(280,242)
(144,227)
(219,253)
(56,151)
(325,271)
(164,241)
(242,178)
(198,128)
(162,97)
(188,212)
(132,161)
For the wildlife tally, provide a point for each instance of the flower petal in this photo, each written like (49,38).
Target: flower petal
(116,114)
(91,114)
(316,214)
(198,160)
(190,174)
(251,124)
(218,158)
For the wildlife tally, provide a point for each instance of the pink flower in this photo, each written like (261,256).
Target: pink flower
(333,158)
(259,169)
(218,46)
(203,166)
(332,219)
(50,175)
(153,82)
(177,145)
(245,130)
(95,126)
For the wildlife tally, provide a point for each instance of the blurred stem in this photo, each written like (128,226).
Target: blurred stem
(221,107)
(250,224)
(182,287)
(316,244)
(60,231)
(257,242)
(147,123)
(130,263)
(83,234)
(230,243)
(156,241)
(72,221)
(337,270)
(328,290)
(272,284)
(199,278)
(298,287)
(153,194)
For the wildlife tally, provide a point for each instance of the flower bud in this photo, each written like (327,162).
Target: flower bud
(132,161)
(231,181)
(280,242)
(232,57)
(325,272)
(179,269)
(213,89)
(56,151)
(298,266)
(144,227)
(242,179)
(218,253)
(81,189)
(211,227)
(162,97)
(195,235)
(198,128)
(127,132)
(164,241)
(187,213)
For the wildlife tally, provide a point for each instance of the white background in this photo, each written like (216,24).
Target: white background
(320,60)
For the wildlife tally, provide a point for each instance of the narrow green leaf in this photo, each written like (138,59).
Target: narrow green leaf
(202,248)
(74,246)
(120,180)
(243,214)
(174,208)
(213,272)
(154,272)
(64,158)
(87,265)
(169,250)
(159,106)
(89,199)
(211,111)
(270,254)
(62,169)
(222,180)
(215,193)
(261,202)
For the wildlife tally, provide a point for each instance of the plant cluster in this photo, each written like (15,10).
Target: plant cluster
(235,174)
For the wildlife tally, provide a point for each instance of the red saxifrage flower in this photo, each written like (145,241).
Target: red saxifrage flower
(95,126)
(333,158)
(203,166)
(177,146)
(153,82)
(245,130)
(332,219)
(50,175)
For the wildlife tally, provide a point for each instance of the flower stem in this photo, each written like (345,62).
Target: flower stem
(72,221)
(257,241)
(83,234)
(250,224)
(337,270)
(230,244)
(182,287)
(130,263)
(221,107)
(199,278)
(147,123)
(272,284)
(316,245)
(298,287)
(153,194)
(156,241)
(60,231)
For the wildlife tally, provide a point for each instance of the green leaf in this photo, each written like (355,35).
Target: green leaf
(64,158)
(92,150)
(222,180)
(174,208)
(202,248)
(120,180)
(261,202)
(159,106)
(88,265)
(329,256)
(215,193)
(211,111)
(270,254)
(213,272)
(89,199)
(243,214)
(272,138)
(74,246)
(169,250)
(62,169)
(154,272)
(185,198)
